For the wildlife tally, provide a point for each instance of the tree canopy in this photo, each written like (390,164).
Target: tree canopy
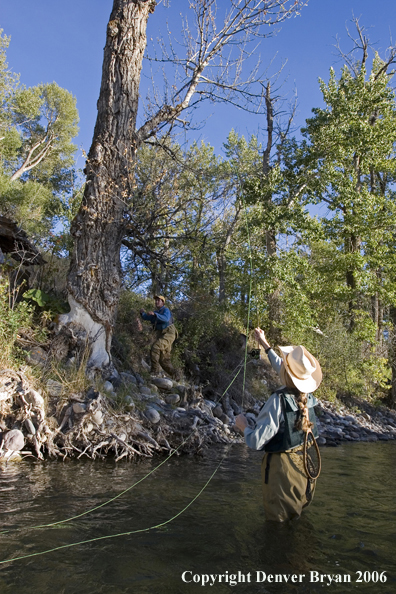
(37,125)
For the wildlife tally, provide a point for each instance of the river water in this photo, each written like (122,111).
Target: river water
(349,531)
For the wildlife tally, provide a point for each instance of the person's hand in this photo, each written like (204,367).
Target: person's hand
(260,337)
(142,311)
(150,313)
(241,422)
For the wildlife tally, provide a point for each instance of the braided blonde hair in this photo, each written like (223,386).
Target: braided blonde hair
(302,423)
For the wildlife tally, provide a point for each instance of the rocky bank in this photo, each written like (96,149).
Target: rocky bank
(132,416)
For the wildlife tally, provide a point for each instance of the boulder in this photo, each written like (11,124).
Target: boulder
(108,386)
(54,388)
(172,398)
(139,379)
(114,378)
(92,394)
(37,356)
(145,391)
(209,403)
(217,411)
(180,389)
(163,383)
(34,398)
(97,417)
(79,408)
(152,415)
(128,378)
(30,427)
(224,419)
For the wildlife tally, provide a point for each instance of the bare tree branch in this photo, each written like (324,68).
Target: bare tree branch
(215,59)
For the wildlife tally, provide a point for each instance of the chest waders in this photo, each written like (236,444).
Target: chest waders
(160,353)
(288,479)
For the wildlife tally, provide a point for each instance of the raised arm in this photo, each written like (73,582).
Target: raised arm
(274,359)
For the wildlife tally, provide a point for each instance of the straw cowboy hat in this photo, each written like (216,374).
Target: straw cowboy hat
(302,367)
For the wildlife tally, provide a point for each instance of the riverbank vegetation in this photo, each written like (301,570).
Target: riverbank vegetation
(293,233)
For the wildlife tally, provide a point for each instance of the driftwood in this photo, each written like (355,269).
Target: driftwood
(88,424)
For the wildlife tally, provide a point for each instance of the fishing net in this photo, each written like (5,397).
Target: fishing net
(311,456)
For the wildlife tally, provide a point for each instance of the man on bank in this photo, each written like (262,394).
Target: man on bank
(162,322)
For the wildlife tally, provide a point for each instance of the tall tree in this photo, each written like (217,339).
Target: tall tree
(209,70)
(37,125)
(350,151)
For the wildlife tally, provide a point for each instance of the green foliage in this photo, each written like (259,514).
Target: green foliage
(37,125)
(199,228)
(46,118)
(350,151)
(132,337)
(8,82)
(350,365)
(12,319)
(44,301)
(27,202)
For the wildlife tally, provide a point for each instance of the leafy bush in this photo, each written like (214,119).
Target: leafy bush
(350,365)
(12,319)
(45,301)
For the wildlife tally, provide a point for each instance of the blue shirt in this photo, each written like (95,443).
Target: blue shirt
(161,319)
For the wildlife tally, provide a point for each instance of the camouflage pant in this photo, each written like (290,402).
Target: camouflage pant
(286,487)
(161,351)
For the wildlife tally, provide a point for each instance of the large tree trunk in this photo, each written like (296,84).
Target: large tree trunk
(95,274)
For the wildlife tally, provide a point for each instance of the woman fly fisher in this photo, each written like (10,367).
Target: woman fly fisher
(283,426)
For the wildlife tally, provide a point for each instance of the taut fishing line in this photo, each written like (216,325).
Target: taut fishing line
(250,295)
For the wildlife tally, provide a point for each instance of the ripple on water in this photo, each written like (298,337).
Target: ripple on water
(350,526)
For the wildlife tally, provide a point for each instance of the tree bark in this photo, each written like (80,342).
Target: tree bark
(94,278)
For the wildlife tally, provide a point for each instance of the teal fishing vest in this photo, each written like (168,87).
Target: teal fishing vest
(288,436)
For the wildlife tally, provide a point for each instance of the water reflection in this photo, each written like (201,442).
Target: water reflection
(349,527)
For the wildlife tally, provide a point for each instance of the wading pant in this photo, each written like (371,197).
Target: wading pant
(161,350)
(286,487)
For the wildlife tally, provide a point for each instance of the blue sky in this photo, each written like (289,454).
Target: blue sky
(63,42)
